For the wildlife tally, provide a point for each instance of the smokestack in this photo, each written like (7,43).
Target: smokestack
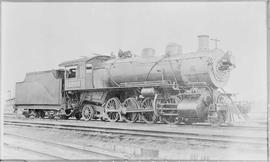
(203,41)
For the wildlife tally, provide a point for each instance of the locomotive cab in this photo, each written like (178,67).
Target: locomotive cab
(76,74)
(85,73)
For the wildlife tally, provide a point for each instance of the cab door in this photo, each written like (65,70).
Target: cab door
(89,76)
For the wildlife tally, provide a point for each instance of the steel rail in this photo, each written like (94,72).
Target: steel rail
(257,141)
(199,125)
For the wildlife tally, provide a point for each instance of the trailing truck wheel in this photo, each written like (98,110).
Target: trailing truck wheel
(87,112)
(111,108)
(148,117)
(68,112)
(78,115)
(171,119)
(131,103)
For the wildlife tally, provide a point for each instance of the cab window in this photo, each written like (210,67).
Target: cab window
(88,68)
(71,72)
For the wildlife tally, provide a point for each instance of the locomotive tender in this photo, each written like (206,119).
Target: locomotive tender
(175,87)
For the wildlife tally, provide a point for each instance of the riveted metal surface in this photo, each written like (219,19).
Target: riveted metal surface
(39,88)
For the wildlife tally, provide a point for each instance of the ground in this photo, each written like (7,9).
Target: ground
(133,147)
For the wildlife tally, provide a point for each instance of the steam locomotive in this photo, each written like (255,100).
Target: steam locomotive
(173,88)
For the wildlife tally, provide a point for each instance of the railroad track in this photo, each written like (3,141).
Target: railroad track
(200,125)
(217,138)
(258,125)
(59,151)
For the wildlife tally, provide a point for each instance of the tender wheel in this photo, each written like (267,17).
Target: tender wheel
(148,117)
(51,115)
(87,112)
(171,119)
(32,114)
(41,113)
(131,103)
(26,114)
(112,104)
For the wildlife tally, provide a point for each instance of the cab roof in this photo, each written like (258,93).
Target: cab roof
(93,59)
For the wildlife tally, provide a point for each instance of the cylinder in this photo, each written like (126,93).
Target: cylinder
(203,42)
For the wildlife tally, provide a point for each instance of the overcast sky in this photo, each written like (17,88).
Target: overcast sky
(39,36)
